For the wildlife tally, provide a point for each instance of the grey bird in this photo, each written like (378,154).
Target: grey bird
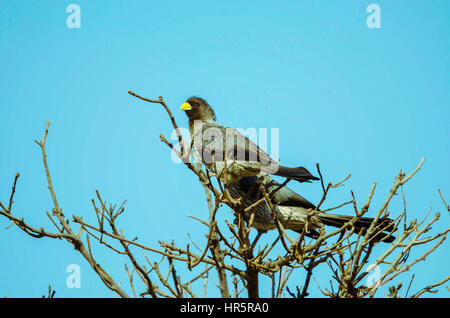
(292,210)
(228,153)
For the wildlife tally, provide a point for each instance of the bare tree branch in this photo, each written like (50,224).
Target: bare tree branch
(240,258)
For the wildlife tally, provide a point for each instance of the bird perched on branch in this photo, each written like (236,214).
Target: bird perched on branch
(244,166)
(292,210)
(228,153)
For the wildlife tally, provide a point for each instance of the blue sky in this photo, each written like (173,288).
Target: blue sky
(356,100)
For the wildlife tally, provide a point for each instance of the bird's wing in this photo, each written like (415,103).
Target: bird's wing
(217,138)
(286,196)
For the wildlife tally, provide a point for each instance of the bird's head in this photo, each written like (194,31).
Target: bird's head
(197,108)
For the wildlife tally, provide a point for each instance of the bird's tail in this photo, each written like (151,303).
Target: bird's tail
(300,174)
(384,226)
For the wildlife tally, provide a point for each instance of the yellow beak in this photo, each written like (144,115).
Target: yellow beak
(186,106)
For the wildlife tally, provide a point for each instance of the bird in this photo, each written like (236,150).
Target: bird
(292,210)
(228,153)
